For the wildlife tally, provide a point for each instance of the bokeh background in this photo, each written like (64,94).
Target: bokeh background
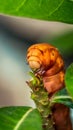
(16,35)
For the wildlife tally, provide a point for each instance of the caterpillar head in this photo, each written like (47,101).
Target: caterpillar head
(40,57)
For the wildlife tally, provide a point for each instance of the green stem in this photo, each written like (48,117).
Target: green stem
(40,97)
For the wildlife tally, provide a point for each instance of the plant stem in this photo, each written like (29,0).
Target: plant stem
(40,97)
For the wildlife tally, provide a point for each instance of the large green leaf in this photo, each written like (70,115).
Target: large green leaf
(56,10)
(63,98)
(19,118)
(69,79)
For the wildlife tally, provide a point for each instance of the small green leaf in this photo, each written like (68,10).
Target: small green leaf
(63,98)
(61,92)
(52,10)
(69,79)
(20,118)
(35,81)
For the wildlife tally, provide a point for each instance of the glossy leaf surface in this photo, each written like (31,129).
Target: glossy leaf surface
(52,10)
(19,118)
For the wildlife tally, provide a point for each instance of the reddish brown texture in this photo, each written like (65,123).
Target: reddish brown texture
(54,83)
(61,117)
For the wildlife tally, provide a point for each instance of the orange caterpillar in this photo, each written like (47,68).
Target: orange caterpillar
(45,60)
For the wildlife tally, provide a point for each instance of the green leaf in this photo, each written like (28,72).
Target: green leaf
(53,10)
(63,98)
(20,118)
(69,79)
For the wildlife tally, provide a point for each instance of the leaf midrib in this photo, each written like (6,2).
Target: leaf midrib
(22,119)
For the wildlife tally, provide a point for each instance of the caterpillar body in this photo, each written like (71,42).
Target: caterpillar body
(45,60)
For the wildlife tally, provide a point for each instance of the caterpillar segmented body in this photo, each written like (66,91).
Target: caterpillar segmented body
(45,60)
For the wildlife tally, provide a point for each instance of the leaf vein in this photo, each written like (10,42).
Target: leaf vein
(21,4)
(57,8)
(22,119)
